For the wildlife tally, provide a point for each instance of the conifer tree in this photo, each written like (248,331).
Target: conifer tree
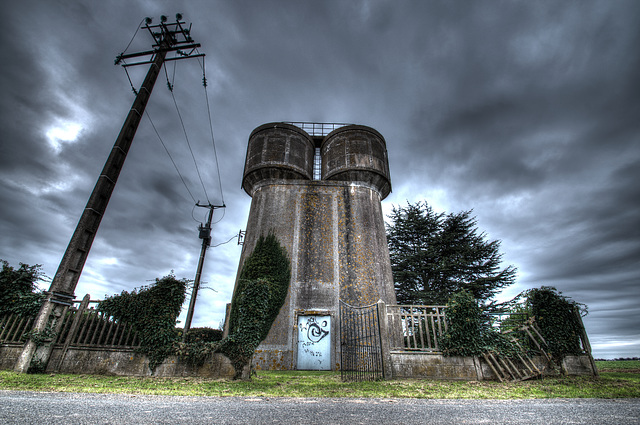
(434,255)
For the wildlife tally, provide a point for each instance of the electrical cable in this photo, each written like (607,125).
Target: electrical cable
(224,211)
(213,141)
(172,161)
(222,243)
(134,36)
(133,89)
(163,144)
(186,137)
(193,216)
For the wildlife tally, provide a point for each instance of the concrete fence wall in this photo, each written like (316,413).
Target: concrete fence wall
(120,362)
(416,365)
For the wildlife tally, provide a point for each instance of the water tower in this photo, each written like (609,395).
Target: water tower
(318,188)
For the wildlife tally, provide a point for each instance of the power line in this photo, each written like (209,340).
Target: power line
(172,161)
(186,137)
(213,141)
(160,138)
(134,36)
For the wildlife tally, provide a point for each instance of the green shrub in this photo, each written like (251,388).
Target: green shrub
(261,291)
(152,310)
(556,317)
(19,293)
(204,334)
(469,331)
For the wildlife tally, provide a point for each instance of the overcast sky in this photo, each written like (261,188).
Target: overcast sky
(526,112)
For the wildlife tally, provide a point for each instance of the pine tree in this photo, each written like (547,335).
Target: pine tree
(434,255)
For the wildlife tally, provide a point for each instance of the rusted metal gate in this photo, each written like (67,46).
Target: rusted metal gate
(360,343)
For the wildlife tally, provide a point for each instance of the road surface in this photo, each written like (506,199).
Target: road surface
(19,407)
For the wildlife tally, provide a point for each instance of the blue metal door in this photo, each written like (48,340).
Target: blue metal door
(314,342)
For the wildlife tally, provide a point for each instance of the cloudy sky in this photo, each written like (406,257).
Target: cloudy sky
(526,112)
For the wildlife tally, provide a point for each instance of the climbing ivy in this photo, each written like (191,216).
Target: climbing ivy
(260,293)
(556,317)
(268,261)
(204,334)
(19,293)
(152,310)
(469,331)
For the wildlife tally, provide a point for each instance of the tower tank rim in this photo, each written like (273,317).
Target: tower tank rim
(352,127)
(272,125)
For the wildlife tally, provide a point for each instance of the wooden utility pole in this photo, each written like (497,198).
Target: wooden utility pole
(205,235)
(168,37)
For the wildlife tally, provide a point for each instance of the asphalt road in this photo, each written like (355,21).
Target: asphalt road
(17,407)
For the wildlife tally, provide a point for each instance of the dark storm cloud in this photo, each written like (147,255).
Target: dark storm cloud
(526,112)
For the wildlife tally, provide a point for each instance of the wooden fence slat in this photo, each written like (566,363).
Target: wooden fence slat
(4,325)
(103,321)
(115,333)
(99,325)
(14,319)
(18,332)
(435,338)
(487,358)
(428,319)
(90,324)
(422,328)
(415,327)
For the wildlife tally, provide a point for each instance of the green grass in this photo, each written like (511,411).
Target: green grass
(628,365)
(619,382)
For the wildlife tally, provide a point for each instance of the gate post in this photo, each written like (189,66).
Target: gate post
(48,322)
(387,370)
(585,342)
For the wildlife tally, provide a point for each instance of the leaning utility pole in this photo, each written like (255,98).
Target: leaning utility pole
(168,37)
(205,235)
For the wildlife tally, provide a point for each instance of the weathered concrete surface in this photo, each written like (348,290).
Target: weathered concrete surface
(277,152)
(123,363)
(578,365)
(9,355)
(356,153)
(437,366)
(335,237)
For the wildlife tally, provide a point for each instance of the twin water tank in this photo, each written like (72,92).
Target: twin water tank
(353,153)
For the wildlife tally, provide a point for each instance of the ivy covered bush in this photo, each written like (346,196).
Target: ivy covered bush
(204,334)
(469,331)
(262,289)
(153,311)
(19,293)
(557,318)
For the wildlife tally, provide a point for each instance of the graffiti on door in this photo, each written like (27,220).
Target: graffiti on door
(314,342)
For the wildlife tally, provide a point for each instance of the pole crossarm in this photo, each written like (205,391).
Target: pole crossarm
(121,56)
(168,37)
(126,65)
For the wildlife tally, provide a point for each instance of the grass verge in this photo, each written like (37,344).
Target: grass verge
(613,383)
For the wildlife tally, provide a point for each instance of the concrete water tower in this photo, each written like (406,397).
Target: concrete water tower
(320,195)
